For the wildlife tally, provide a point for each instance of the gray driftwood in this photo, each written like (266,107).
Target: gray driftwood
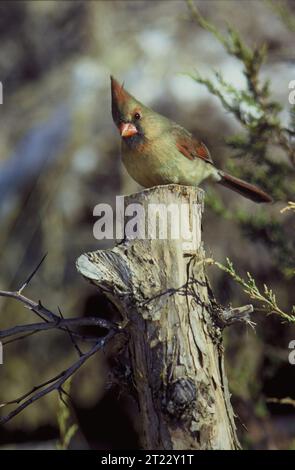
(174,330)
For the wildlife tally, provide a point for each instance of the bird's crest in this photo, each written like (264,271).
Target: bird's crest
(120,97)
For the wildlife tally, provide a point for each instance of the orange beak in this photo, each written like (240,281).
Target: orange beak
(127,129)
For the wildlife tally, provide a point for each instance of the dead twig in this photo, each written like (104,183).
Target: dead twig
(56,322)
(54,384)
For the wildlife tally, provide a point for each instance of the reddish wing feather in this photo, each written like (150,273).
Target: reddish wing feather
(192,148)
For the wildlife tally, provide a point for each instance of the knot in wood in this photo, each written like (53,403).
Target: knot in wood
(180,398)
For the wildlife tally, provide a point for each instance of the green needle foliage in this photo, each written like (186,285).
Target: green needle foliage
(253,107)
(263,151)
(265,298)
(282,10)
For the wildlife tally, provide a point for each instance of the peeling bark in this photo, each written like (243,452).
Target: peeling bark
(174,330)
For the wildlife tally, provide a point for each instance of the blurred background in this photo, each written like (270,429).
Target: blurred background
(59,157)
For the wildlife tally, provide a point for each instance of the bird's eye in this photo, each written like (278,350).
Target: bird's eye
(137,116)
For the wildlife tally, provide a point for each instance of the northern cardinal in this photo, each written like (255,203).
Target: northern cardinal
(156,150)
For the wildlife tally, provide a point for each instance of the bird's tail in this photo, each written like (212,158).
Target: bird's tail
(245,189)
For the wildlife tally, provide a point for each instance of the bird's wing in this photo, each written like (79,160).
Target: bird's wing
(190,147)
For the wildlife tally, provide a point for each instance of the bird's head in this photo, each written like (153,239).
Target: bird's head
(135,121)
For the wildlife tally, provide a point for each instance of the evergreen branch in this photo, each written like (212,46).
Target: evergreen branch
(282,401)
(266,298)
(289,207)
(260,118)
(283,12)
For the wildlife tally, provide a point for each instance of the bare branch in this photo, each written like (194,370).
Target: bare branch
(236,315)
(36,307)
(18,338)
(282,401)
(56,383)
(85,338)
(26,283)
(54,320)
(62,324)
(73,341)
(51,321)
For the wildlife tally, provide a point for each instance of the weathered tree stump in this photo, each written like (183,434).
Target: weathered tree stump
(174,328)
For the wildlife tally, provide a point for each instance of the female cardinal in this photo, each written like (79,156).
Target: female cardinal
(156,150)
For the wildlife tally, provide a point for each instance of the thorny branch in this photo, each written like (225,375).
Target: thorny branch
(57,322)
(62,324)
(54,384)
